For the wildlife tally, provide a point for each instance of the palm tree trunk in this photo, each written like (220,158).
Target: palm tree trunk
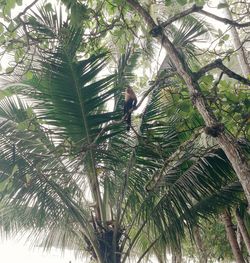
(226,217)
(241,56)
(243,230)
(200,246)
(225,140)
(176,255)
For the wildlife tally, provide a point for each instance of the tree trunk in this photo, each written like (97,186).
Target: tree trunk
(231,236)
(200,247)
(224,139)
(107,250)
(241,56)
(239,238)
(243,230)
(176,256)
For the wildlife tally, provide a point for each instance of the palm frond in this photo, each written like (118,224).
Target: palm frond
(48,23)
(68,98)
(186,34)
(195,174)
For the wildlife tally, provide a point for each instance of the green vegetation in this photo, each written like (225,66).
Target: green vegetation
(71,174)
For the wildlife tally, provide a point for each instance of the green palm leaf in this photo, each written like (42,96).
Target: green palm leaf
(195,174)
(68,98)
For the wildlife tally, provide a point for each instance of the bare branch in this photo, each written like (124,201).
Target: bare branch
(172,19)
(207,68)
(26,9)
(198,9)
(218,64)
(224,20)
(18,17)
(234,75)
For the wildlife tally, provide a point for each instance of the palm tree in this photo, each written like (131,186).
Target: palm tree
(64,117)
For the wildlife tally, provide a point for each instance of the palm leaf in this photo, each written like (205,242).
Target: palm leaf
(197,174)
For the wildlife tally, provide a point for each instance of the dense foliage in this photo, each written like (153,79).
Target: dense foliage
(70,172)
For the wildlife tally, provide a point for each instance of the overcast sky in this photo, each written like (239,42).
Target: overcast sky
(13,251)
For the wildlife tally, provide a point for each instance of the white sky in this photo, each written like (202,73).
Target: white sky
(13,251)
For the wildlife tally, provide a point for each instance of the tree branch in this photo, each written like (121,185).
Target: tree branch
(234,75)
(172,19)
(18,17)
(224,20)
(218,64)
(26,9)
(198,9)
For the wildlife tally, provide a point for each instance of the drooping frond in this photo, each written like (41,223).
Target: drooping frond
(65,116)
(191,174)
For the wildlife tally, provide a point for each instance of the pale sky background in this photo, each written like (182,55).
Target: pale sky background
(17,251)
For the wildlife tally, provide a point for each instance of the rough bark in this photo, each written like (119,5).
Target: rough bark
(241,56)
(243,231)
(239,238)
(224,139)
(226,217)
(200,246)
